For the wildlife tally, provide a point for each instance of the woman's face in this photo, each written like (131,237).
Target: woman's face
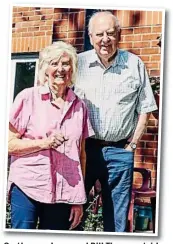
(60,72)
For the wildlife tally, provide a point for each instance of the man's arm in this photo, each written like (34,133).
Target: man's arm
(140,128)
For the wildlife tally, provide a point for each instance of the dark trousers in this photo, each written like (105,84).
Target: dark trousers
(113,167)
(27,213)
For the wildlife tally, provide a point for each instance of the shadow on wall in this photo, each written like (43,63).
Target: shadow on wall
(69,25)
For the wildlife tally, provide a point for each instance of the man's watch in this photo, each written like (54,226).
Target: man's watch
(133,145)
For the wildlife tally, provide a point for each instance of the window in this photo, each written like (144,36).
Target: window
(23,74)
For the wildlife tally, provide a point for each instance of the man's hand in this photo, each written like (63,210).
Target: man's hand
(76,215)
(128,148)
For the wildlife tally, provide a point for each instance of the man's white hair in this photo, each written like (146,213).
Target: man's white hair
(55,51)
(90,24)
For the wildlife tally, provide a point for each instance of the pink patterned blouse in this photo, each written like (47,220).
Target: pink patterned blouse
(50,176)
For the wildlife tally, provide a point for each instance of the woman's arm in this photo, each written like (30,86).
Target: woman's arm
(83,158)
(21,147)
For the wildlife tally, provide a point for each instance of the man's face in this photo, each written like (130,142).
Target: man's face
(104,36)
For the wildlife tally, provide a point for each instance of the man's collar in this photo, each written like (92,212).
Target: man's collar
(120,59)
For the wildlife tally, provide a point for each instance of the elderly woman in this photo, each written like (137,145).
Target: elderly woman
(47,130)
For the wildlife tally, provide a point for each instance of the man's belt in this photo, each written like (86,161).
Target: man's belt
(102,143)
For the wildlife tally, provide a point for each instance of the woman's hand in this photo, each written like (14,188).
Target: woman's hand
(54,141)
(76,215)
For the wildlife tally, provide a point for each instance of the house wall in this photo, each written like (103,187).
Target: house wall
(33,28)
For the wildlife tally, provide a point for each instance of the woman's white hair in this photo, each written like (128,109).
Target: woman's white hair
(105,12)
(55,51)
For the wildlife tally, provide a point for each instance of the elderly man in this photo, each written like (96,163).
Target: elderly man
(115,86)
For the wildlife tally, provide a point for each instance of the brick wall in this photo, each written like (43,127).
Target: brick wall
(33,28)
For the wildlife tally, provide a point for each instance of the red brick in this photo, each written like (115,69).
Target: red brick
(49,33)
(57,16)
(18,25)
(21,29)
(13,50)
(81,21)
(75,10)
(143,17)
(157,29)
(50,11)
(47,22)
(156,57)
(154,72)
(160,17)
(28,13)
(144,57)
(47,17)
(46,27)
(126,18)
(149,159)
(125,31)
(16,34)
(120,17)
(139,158)
(141,144)
(149,37)
(23,44)
(147,137)
(125,45)
(155,17)
(141,44)
(44,11)
(18,19)
(21,9)
(27,34)
(71,26)
(34,18)
(17,14)
(149,17)
(60,10)
(145,151)
(132,38)
(14,9)
(61,35)
(150,51)
(39,33)
(28,23)
(61,22)
(145,165)
(34,28)
(75,34)
(152,65)
(63,28)
(151,144)
(142,30)
(65,15)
